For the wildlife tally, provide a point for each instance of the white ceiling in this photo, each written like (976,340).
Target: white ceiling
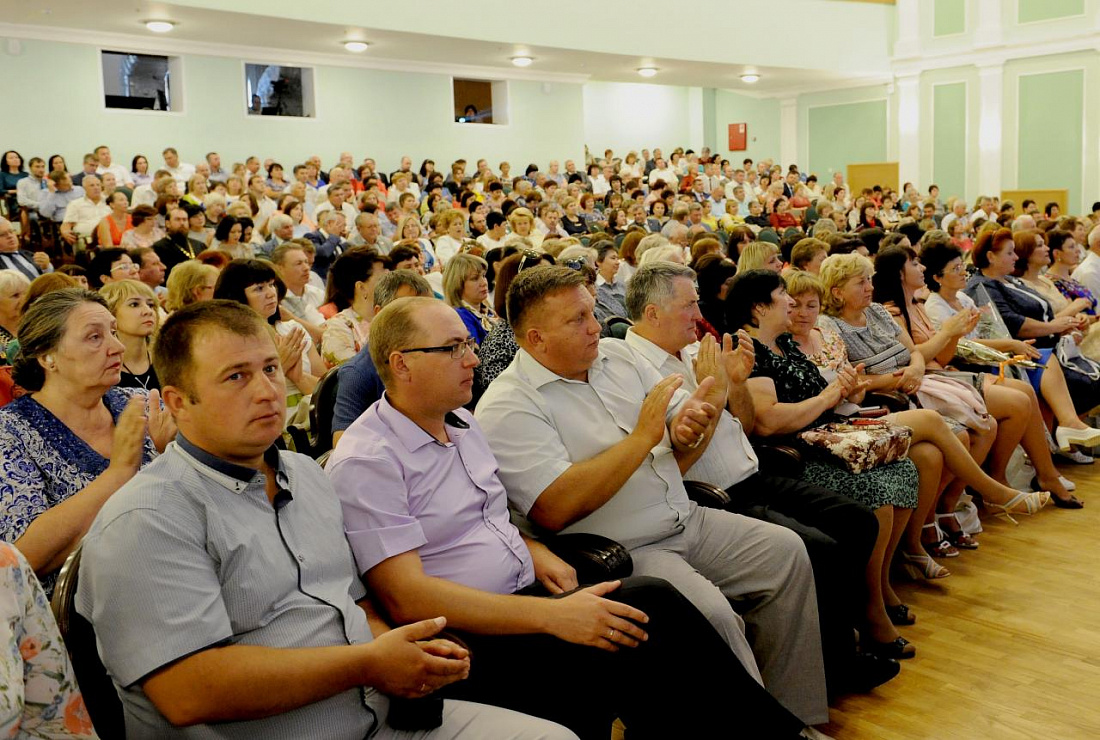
(395,48)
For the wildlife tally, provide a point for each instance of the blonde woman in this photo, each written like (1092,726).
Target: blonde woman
(190,282)
(452,229)
(522,222)
(197,189)
(409,228)
(466,289)
(134,306)
(757,256)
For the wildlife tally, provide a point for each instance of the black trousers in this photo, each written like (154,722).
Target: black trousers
(682,682)
(839,534)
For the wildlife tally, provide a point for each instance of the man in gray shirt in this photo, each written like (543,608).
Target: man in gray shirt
(589,440)
(224,596)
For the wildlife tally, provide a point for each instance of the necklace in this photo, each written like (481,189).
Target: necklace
(141,379)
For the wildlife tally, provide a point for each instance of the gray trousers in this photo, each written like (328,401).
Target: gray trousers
(721,561)
(464,720)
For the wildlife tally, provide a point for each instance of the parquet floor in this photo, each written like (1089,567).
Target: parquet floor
(1008,647)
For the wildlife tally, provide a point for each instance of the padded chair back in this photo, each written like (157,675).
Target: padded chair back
(618,326)
(104,706)
(321,409)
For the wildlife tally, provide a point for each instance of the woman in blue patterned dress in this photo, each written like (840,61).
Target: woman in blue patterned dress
(74,439)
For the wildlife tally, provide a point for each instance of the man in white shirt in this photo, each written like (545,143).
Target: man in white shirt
(601,181)
(738,180)
(217,174)
(958,213)
(336,199)
(663,172)
(123,178)
(302,299)
(83,215)
(1088,272)
(496,232)
(589,440)
(984,210)
(555,173)
(839,533)
(180,171)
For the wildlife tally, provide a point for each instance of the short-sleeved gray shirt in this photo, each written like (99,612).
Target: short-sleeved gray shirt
(191,554)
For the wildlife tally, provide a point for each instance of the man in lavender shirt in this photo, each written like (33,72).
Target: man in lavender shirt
(427,519)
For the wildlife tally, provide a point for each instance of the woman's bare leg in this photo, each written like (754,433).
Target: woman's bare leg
(929,426)
(1034,442)
(952,488)
(897,529)
(928,493)
(880,628)
(1012,410)
(1056,394)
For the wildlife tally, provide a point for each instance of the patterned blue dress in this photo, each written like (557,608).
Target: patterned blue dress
(42,462)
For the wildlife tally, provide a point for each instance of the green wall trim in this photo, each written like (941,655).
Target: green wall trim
(949,17)
(1032,11)
(949,138)
(1051,134)
(850,133)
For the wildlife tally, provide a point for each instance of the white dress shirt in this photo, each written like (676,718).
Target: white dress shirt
(539,424)
(182,173)
(85,215)
(729,458)
(1088,272)
(122,175)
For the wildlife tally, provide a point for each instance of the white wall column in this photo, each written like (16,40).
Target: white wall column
(988,25)
(990,129)
(908,20)
(788,133)
(907,90)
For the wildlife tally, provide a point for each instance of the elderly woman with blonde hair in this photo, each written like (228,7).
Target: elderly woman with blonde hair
(466,289)
(759,256)
(522,223)
(190,282)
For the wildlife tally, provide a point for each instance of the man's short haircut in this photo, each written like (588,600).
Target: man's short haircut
(385,290)
(532,286)
(279,220)
(653,283)
(278,254)
(172,352)
(169,149)
(395,328)
(327,217)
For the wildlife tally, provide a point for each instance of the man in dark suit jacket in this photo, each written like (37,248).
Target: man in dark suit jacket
(177,247)
(31,264)
(329,241)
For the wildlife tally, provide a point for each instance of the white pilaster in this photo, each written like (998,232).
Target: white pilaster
(908,126)
(990,128)
(908,20)
(788,133)
(988,24)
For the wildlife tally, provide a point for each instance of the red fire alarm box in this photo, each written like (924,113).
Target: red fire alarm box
(738,137)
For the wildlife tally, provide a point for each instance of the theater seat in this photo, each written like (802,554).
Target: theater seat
(618,326)
(595,558)
(104,706)
(705,494)
(779,456)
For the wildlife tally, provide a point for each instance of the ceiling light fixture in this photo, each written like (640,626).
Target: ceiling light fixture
(160,26)
(357,47)
(750,78)
(522,61)
(647,71)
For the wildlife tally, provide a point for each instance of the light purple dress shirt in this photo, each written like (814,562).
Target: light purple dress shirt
(402,490)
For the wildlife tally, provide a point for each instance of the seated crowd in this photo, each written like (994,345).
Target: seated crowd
(577,351)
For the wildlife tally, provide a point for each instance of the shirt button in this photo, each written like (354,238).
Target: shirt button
(302,558)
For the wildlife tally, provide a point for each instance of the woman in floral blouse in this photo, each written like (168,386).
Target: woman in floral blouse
(39,697)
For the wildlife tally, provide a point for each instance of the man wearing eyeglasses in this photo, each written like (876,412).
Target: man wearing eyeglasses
(427,519)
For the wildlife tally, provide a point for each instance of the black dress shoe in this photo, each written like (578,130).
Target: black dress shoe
(898,649)
(864,672)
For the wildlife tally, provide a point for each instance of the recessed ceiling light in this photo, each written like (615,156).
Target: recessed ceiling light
(522,61)
(356,46)
(750,78)
(160,26)
(647,71)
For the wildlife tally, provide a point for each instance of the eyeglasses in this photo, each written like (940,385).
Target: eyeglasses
(575,264)
(458,351)
(531,257)
(125,266)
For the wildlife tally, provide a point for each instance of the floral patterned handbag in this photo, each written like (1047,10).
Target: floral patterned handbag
(859,447)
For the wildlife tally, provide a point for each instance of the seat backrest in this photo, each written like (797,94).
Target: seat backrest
(321,410)
(100,697)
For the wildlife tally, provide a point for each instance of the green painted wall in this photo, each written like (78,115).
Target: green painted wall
(762,117)
(840,135)
(1051,136)
(949,138)
(383,114)
(1030,11)
(949,17)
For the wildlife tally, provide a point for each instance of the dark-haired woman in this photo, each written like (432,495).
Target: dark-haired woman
(12,170)
(1029,316)
(255,284)
(352,278)
(75,439)
(899,275)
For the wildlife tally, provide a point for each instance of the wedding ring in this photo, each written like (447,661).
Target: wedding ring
(611,634)
(698,442)
(423,687)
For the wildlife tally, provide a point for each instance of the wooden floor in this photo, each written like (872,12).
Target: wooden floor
(1008,647)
